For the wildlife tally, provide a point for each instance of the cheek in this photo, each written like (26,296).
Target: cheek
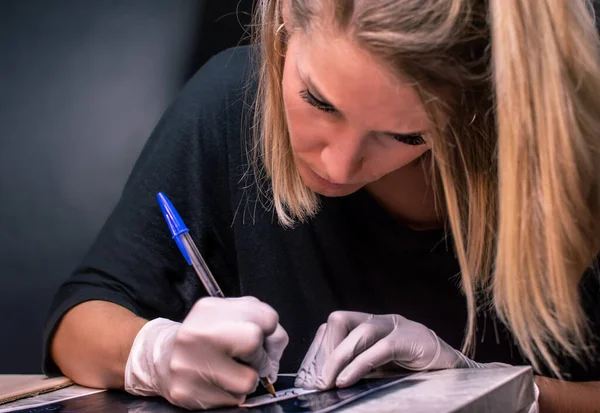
(384,159)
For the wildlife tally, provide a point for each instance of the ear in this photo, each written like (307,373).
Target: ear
(284,7)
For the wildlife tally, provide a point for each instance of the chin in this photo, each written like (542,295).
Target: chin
(344,190)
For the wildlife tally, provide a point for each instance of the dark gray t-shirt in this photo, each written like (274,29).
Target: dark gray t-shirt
(353,255)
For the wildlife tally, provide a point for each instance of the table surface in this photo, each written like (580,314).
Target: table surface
(493,390)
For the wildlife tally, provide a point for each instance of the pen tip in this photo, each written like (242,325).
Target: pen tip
(268,386)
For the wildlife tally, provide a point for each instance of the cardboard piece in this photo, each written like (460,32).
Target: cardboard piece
(15,387)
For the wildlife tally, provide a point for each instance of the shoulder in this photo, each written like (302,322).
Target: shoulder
(198,136)
(227,75)
(205,119)
(232,64)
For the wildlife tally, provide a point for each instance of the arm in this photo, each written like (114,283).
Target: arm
(97,333)
(568,397)
(92,343)
(101,344)
(133,261)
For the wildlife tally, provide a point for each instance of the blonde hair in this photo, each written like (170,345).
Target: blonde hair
(512,86)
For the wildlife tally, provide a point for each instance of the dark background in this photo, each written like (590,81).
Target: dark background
(82,85)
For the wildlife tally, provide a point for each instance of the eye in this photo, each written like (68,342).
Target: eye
(413,139)
(313,101)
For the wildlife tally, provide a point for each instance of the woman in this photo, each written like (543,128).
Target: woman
(354,162)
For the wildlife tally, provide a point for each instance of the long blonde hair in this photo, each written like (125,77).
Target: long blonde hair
(516,153)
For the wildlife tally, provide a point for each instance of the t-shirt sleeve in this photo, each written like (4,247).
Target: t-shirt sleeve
(134,262)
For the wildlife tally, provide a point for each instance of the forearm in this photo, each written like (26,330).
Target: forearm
(92,343)
(568,397)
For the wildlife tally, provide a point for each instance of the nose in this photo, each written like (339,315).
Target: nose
(342,158)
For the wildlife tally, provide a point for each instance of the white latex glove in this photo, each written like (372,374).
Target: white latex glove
(213,359)
(351,344)
(535,407)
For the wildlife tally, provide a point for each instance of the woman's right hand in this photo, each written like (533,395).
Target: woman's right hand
(213,359)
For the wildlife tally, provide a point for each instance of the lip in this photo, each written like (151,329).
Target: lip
(325,182)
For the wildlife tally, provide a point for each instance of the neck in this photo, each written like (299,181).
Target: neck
(407,194)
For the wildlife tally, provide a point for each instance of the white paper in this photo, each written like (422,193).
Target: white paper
(327,402)
(279,396)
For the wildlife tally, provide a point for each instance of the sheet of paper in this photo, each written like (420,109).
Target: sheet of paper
(67,393)
(279,396)
(312,401)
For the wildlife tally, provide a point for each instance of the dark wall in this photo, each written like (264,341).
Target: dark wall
(82,84)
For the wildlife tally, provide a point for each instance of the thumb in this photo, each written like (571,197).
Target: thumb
(247,344)
(275,344)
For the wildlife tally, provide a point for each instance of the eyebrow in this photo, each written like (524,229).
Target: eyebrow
(317,94)
(315,91)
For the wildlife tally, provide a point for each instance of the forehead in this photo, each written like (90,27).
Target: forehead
(358,85)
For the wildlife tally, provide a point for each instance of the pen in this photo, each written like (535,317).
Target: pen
(181,235)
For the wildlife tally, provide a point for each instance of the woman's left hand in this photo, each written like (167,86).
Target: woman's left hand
(351,345)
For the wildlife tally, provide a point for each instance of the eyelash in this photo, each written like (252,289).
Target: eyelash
(413,140)
(313,101)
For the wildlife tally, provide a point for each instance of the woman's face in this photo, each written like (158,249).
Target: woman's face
(350,121)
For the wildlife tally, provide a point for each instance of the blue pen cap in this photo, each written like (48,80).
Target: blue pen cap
(175,223)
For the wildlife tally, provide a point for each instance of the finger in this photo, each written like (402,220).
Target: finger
(234,309)
(234,378)
(221,382)
(242,341)
(339,324)
(259,360)
(306,374)
(358,340)
(257,312)
(377,355)
(197,367)
(275,344)
(246,343)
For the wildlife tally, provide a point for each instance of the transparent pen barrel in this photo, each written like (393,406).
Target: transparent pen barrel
(201,268)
